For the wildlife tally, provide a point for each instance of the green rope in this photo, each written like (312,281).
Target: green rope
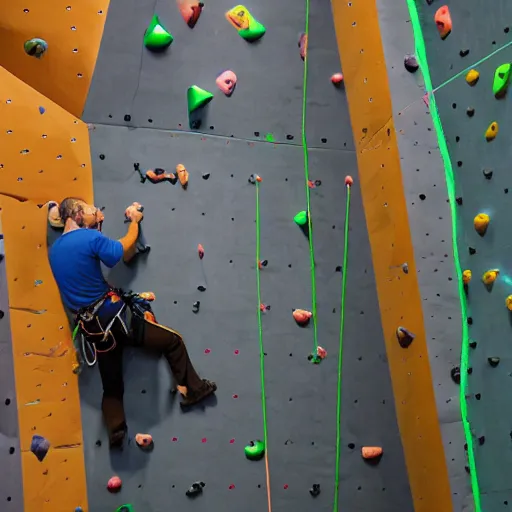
(306,176)
(260,328)
(421,55)
(340,352)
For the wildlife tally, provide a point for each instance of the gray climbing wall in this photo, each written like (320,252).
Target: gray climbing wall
(487,395)
(207,443)
(11,490)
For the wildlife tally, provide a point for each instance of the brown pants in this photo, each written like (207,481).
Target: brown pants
(155,337)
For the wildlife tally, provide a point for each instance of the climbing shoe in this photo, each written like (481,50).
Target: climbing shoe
(193,397)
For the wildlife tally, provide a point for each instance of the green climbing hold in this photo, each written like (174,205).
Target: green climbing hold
(255,450)
(197,98)
(156,36)
(270,137)
(501,79)
(301,219)
(125,508)
(248,27)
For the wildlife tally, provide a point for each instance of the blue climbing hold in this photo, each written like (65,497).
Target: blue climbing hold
(39,447)
(79,509)
(42,110)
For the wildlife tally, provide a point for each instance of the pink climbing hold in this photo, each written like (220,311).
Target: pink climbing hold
(231,441)
(426,99)
(337,79)
(174,439)
(203,440)
(190,10)
(207,350)
(349,181)
(231,486)
(236,352)
(321,352)
(303,45)
(226,82)
(114,484)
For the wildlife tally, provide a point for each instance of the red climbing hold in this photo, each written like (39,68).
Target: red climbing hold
(231,486)
(321,352)
(443,21)
(200,251)
(264,307)
(207,350)
(301,316)
(236,352)
(231,441)
(337,79)
(114,484)
(349,181)
(190,10)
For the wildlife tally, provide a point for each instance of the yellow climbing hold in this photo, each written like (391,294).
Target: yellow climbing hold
(481,222)
(466,276)
(472,77)
(508,302)
(491,132)
(490,276)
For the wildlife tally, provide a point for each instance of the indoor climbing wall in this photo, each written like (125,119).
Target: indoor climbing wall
(469,96)
(137,110)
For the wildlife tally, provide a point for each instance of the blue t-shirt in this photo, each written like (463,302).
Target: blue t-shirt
(75,259)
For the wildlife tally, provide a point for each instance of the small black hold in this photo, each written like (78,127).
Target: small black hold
(423,197)
(472,344)
(324,141)
(143,391)
(505,190)
(127,118)
(206,175)
(478,396)
(464,53)
(467,469)
(318,183)
(195,306)
(201,288)
(470,111)
(351,446)
(212,127)
(195,489)
(470,320)
(315,490)
(264,263)
(11,450)
(7,401)
(2,314)
(98,443)
(493,361)
(459,163)
(256,134)
(289,137)
(481,440)
(459,200)
(338,268)
(470,371)
(102,157)
(472,251)
(455,375)
(465,447)
(487,174)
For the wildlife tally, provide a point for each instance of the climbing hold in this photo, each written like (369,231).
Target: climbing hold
(481,440)
(455,374)
(349,181)
(255,450)
(114,484)
(158,175)
(470,111)
(156,37)
(201,288)
(501,80)
(472,344)
(264,307)
(314,184)
(315,490)
(508,302)
(443,21)
(79,509)
(182,173)
(321,352)
(54,215)
(337,79)
(205,175)
(303,45)
(405,268)
(195,306)
(411,63)
(466,277)
(197,98)
(226,82)
(42,110)
(493,361)
(472,251)
(39,447)
(262,263)
(253,178)
(195,489)
(405,337)
(472,77)
(459,200)
(190,10)
(371,452)
(302,317)
(125,508)
(464,53)
(491,132)
(301,218)
(481,222)
(487,174)
(144,440)
(490,276)
(36,47)
(200,251)
(248,27)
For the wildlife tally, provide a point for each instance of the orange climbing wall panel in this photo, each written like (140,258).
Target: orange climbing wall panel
(367,88)
(57,73)
(35,169)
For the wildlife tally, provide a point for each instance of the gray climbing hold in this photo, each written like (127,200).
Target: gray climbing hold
(411,63)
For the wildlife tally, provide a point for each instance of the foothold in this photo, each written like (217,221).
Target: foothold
(156,37)
(321,352)
(114,484)
(196,306)
(200,251)
(127,118)
(39,447)
(473,344)
(205,175)
(472,77)
(253,178)
(314,184)
(405,268)
(301,218)
(190,10)
(144,440)
(337,79)
(226,82)
(481,440)
(255,450)
(490,276)
(508,302)
(302,317)
(493,361)
(315,490)
(371,452)
(455,374)
(248,27)
(481,223)
(303,45)
(443,21)
(195,489)
(411,63)
(470,111)
(501,80)
(42,110)
(349,181)
(466,277)
(339,268)
(464,53)
(487,174)
(35,47)
(264,307)
(197,98)
(79,509)
(125,508)
(491,132)
(472,251)
(459,200)
(404,337)
(182,173)
(201,288)
(262,263)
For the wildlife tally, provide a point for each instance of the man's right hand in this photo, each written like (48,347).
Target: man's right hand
(134,213)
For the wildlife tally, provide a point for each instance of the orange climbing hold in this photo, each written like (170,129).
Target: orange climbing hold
(182,173)
(472,77)
(303,45)
(371,452)
(490,276)
(481,223)
(301,316)
(159,175)
(190,10)
(491,132)
(144,440)
(466,277)
(508,302)
(443,21)
(149,296)
(200,251)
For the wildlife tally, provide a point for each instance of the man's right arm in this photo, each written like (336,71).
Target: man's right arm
(129,241)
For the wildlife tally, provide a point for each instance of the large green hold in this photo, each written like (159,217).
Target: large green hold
(197,98)
(125,508)
(254,32)
(156,36)
(501,80)
(255,450)
(301,219)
